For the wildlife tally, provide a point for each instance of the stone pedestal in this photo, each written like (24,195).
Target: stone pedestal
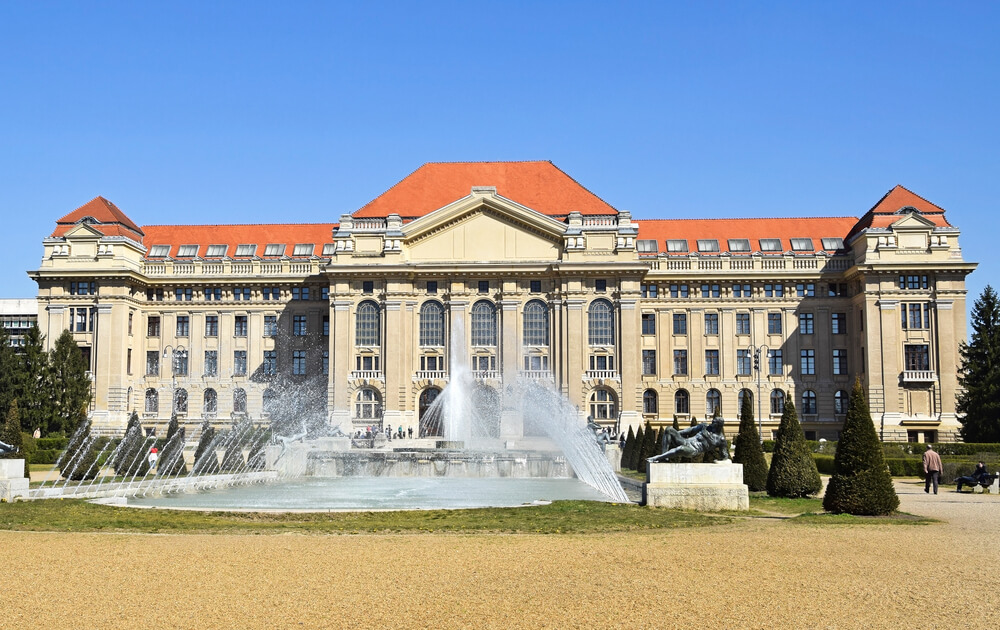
(703,487)
(614,455)
(13,484)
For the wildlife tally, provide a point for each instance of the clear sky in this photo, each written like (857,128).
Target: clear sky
(254,112)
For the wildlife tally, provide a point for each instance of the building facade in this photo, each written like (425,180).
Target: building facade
(518,271)
(18,315)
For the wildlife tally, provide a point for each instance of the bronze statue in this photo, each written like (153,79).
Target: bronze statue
(7,449)
(700,438)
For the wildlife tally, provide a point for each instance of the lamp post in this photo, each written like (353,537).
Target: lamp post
(757,351)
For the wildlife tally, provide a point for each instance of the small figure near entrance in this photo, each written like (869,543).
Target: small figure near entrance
(709,439)
(153,454)
(979,477)
(932,469)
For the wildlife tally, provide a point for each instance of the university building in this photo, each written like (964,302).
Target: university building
(522,273)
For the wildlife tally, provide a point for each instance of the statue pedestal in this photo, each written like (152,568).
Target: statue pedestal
(12,482)
(703,487)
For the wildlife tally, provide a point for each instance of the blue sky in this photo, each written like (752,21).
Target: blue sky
(250,112)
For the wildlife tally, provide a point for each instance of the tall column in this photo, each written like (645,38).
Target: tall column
(511,422)
(945,356)
(340,364)
(629,360)
(394,368)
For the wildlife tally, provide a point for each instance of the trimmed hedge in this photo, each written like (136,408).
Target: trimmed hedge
(52,443)
(47,456)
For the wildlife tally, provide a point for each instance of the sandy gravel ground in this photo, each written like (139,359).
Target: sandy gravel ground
(756,574)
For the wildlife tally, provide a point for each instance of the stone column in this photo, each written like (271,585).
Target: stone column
(629,353)
(340,363)
(511,423)
(394,368)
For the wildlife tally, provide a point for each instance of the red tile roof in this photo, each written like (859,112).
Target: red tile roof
(288,234)
(722,230)
(540,186)
(105,213)
(883,214)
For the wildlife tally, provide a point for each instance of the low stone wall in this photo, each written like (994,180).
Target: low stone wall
(703,487)
(154,486)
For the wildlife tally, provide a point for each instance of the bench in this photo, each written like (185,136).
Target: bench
(986,482)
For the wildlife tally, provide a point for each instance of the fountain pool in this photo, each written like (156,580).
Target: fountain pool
(378,493)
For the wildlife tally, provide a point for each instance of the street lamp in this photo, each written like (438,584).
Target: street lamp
(757,351)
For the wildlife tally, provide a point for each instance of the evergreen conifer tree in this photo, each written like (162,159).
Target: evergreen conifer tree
(131,458)
(206,462)
(648,444)
(979,402)
(79,462)
(637,449)
(171,459)
(66,382)
(861,483)
(747,450)
(629,447)
(31,379)
(677,425)
(793,470)
(10,433)
(9,365)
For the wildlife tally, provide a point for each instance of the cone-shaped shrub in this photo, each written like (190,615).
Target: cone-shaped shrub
(793,471)
(80,460)
(629,447)
(10,433)
(648,444)
(130,460)
(206,462)
(256,459)
(677,425)
(747,450)
(637,449)
(171,461)
(232,460)
(861,483)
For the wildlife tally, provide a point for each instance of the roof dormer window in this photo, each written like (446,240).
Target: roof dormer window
(187,251)
(802,245)
(246,250)
(159,251)
(274,249)
(329,249)
(908,210)
(739,244)
(770,244)
(677,246)
(646,246)
(708,245)
(303,249)
(216,251)
(833,244)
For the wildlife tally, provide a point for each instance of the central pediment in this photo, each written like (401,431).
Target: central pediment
(484,227)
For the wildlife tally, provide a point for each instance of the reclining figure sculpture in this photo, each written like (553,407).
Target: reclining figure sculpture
(701,438)
(7,449)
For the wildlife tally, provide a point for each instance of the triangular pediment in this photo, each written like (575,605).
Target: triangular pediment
(484,227)
(83,230)
(912,221)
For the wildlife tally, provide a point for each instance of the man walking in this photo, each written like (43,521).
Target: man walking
(932,469)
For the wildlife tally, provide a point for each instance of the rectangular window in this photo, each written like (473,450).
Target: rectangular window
(535,286)
(159,251)
(708,245)
(802,245)
(299,362)
(807,362)
(128,362)
(300,293)
(913,282)
(369,363)
(180,361)
(324,293)
(326,325)
(770,244)
(916,316)
(183,325)
(742,290)
(211,325)
(274,249)
(368,287)
(532,363)
(805,289)
(270,365)
(677,246)
(187,251)
(240,362)
(211,363)
(805,323)
(838,323)
(270,325)
(775,365)
(681,362)
(299,325)
(836,290)
(152,363)
(917,357)
(774,323)
(774,290)
(216,251)
(711,362)
(710,290)
(680,323)
(600,285)
(743,323)
(154,295)
(833,244)
(183,294)
(679,290)
(840,362)
(646,246)
(432,286)
(649,362)
(82,288)
(213,294)
(649,323)
(739,244)
(242,294)
(240,326)
(153,326)
(303,249)
(711,323)
(271,293)
(648,290)
(246,250)
(743,362)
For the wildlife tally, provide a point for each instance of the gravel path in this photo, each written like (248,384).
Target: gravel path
(753,574)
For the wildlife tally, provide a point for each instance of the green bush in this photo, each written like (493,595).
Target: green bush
(824,463)
(52,443)
(793,472)
(747,451)
(46,456)
(861,483)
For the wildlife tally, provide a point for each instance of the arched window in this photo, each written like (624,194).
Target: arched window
(601,324)
(713,401)
(650,402)
(152,401)
(809,403)
(239,400)
(536,324)
(432,324)
(744,393)
(270,401)
(682,402)
(430,422)
(367,404)
(211,401)
(777,402)
(484,324)
(603,405)
(180,401)
(840,402)
(367,325)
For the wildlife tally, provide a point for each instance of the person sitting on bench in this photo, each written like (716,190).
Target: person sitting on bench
(980,476)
